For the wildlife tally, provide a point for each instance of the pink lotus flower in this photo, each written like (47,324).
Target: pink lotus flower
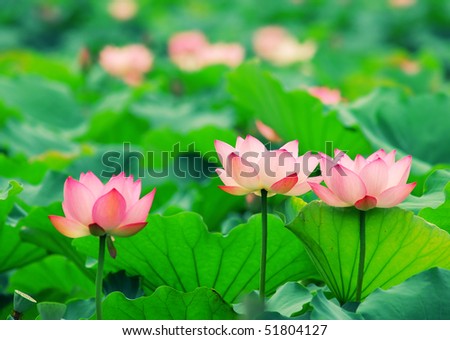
(326,95)
(129,63)
(114,207)
(267,132)
(250,167)
(122,10)
(378,181)
(191,51)
(275,44)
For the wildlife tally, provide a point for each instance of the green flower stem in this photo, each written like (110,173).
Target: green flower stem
(99,278)
(362,254)
(262,279)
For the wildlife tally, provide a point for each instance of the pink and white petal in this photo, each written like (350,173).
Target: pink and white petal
(223,151)
(360,162)
(128,230)
(92,182)
(395,195)
(375,177)
(302,187)
(68,227)
(78,201)
(239,142)
(343,159)
(237,191)
(109,210)
(377,154)
(124,185)
(251,145)
(366,203)
(139,211)
(291,147)
(327,195)
(227,180)
(135,192)
(284,185)
(307,164)
(244,173)
(285,165)
(399,171)
(389,159)
(346,184)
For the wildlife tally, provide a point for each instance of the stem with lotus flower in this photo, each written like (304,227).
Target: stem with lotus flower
(362,254)
(262,279)
(99,277)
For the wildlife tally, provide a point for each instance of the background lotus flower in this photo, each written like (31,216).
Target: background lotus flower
(122,9)
(275,44)
(191,51)
(378,181)
(267,132)
(129,63)
(326,95)
(114,207)
(250,167)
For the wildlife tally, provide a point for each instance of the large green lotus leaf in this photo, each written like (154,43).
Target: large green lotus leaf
(167,303)
(433,194)
(398,246)
(413,125)
(36,229)
(35,140)
(324,309)
(26,62)
(422,297)
(289,299)
(14,253)
(19,166)
(294,114)
(178,251)
(41,102)
(440,215)
(53,278)
(8,193)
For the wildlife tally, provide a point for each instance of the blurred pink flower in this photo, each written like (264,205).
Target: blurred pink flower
(401,3)
(114,207)
(191,51)
(122,10)
(326,95)
(129,63)
(275,44)
(250,167)
(378,181)
(267,132)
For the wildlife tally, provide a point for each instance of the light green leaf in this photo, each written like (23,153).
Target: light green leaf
(178,251)
(398,246)
(36,229)
(433,195)
(324,309)
(441,214)
(289,299)
(294,114)
(416,126)
(167,303)
(54,278)
(422,297)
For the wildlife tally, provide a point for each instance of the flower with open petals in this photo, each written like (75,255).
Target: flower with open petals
(191,51)
(326,95)
(277,45)
(113,208)
(128,63)
(378,181)
(249,168)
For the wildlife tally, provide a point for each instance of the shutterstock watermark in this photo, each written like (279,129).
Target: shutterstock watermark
(188,162)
